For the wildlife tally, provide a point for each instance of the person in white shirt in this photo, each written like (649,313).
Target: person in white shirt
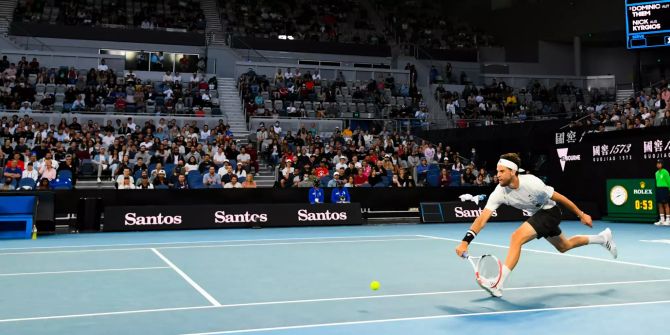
(125,176)
(205,133)
(108,139)
(168,93)
(219,157)
(167,77)
(233,183)
(176,78)
(277,128)
(103,161)
(131,124)
(288,75)
(530,194)
(126,183)
(244,158)
(25,107)
(103,66)
(30,172)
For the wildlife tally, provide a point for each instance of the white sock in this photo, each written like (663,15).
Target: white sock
(596,239)
(505,272)
(662,218)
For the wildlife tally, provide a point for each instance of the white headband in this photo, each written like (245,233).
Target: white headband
(509,164)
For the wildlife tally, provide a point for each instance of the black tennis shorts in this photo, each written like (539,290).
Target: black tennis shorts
(662,195)
(546,222)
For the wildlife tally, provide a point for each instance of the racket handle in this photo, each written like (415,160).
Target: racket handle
(465,255)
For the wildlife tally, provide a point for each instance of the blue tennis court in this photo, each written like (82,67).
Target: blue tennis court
(316,281)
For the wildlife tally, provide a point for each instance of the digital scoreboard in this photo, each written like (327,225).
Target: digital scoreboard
(647,24)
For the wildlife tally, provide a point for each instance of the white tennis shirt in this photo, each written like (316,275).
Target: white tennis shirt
(531,195)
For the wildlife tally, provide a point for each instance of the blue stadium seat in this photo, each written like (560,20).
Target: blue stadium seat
(27,183)
(169,168)
(64,174)
(455,178)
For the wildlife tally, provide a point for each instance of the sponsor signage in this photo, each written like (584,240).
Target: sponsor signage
(136,218)
(564,157)
(457,211)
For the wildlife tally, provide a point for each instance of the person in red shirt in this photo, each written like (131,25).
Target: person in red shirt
(322,170)
(360,178)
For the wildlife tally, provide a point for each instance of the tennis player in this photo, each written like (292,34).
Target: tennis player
(527,192)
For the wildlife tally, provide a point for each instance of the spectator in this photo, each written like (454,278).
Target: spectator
(249,181)
(233,183)
(8,184)
(181,183)
(125,175)
(211,178)
(43,185)
(47,171)
(126,183)
(30,172)
(445,178)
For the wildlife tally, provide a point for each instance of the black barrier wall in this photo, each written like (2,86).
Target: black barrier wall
(369,198)
(137,218)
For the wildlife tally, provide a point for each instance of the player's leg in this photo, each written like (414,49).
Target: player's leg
(519,237)
(563,244)
(604,238)
(667,213)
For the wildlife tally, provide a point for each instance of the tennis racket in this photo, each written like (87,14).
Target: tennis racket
(488,269)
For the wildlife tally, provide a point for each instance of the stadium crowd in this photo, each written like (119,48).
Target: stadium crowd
(315,20)
(26,86)
(291,92)
(145,14)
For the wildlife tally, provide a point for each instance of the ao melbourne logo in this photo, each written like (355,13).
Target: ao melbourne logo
(564,157)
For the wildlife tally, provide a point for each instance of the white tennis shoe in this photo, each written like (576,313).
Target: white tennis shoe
(609,242)
(493,291)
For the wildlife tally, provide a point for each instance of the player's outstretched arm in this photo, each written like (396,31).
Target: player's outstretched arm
(567,203)
(475,228)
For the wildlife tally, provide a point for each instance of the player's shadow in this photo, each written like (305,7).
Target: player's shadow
(536,302)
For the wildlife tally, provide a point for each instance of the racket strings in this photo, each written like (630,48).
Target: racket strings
(489,269)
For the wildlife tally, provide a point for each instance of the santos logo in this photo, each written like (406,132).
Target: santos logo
(564,157)
(470,213)
(222,217)
(131,219)
(304,215)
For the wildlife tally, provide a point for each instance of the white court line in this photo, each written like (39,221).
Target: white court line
(555,253)
(187,278)
(433,317)
(208,246)
(204,241)
(80,271)
(656,241)
(479,291)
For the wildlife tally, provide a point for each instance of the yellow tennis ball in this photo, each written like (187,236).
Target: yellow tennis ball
(374,285)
